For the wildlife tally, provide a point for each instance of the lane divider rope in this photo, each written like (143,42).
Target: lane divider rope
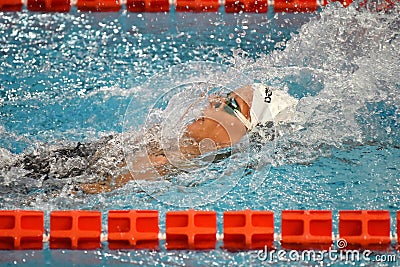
(196,229)
(231,6)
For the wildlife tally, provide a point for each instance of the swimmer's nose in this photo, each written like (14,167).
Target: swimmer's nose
(218,105)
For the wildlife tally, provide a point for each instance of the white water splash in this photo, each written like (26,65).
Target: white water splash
(338,64)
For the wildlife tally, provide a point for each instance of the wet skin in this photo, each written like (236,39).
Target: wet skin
(214,130)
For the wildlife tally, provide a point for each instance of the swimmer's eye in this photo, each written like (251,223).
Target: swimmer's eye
(231,105)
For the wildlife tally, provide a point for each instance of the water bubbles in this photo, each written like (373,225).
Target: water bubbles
(31,35)
(14,32)
(242,34)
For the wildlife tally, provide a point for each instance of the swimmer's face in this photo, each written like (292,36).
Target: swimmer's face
(219,125)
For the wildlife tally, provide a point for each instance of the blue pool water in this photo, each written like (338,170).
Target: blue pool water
(80,77)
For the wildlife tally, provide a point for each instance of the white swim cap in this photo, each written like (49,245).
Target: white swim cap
(271,105)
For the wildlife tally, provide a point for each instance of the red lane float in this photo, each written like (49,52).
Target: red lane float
(197,5)
(10,5)
(191,229)
(99,5)
(236,6)
(133,229)
(365,228)
(306,228)
(295,5)
(21,229)
(49,5)
(147,5)
(248,229)
(75,229)
(398,228)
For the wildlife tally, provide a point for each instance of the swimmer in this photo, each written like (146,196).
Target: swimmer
(223,123)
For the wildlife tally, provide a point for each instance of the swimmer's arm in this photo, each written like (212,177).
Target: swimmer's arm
(147,168)
(106,186)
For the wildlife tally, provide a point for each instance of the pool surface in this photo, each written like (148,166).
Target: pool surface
(82,77)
